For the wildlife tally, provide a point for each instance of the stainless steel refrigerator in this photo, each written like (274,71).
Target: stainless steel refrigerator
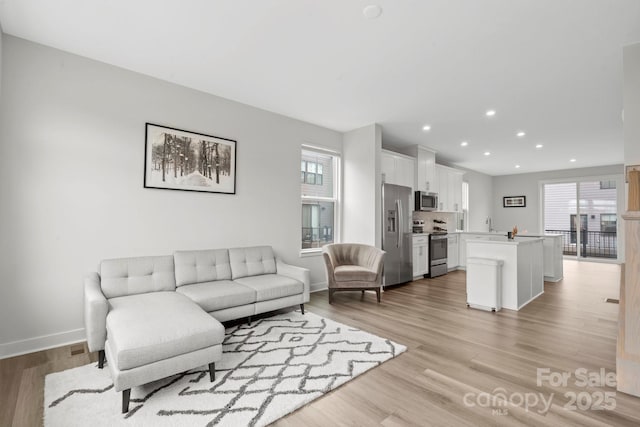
(396,234)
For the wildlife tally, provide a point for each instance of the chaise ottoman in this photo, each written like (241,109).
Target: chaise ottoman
(171,335)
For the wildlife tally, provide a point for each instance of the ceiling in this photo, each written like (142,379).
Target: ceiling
(550,68)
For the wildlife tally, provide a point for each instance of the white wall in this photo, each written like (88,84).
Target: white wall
(362,186)
(480,199)
(528,218)
(71,168)
(631,61)
(1,37)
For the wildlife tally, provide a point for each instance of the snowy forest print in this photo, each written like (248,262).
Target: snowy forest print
(180,160)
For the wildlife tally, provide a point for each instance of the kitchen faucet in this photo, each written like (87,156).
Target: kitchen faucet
(488,221)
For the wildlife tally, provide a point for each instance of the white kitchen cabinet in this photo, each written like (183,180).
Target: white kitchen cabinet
(388,167)
(449,189)
(397,169)
(452,251)
(425,169)
(420,255)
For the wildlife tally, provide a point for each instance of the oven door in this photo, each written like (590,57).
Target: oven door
(438,249)
(438,255)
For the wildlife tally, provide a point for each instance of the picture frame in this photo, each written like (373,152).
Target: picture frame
(514,202)
(177,159)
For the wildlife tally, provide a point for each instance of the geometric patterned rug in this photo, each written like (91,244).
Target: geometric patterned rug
(268,370)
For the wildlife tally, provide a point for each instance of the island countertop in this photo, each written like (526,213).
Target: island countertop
(505,241)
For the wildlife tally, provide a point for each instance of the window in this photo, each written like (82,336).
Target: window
(607,185)
(311,173)
(319,190)
(608,223)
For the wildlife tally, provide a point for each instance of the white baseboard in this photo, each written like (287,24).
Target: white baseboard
(31,345)
(320,286)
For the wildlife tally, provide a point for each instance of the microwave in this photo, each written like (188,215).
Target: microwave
(426,201)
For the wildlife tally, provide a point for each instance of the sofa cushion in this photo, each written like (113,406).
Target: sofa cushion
(202,266)
(218,295)
(272,286)
(354,273)
(130,276)
(143,329)
(252,261)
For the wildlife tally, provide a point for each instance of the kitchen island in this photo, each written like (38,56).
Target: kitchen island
(522,270)
(551,249)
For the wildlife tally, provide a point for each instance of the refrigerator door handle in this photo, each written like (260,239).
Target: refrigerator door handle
(398,223)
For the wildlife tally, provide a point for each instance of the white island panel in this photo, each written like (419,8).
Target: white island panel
(522,271)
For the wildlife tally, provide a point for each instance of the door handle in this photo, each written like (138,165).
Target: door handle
(399,214)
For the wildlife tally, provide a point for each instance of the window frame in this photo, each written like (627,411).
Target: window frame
(336,199)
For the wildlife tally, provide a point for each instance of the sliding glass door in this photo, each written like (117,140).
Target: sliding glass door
(585,213)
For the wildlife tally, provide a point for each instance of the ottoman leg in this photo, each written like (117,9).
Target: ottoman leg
(101,359)
(125,400)
(212,372)
(302,308)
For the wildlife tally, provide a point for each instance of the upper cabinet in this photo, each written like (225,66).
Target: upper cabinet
(418,170)
(397,169)
(425,171)
(449,188)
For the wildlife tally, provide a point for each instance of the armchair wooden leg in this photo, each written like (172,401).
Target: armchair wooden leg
(101,359)
(212,372)
(302,308)
(378,293)
(249,321)
(126,394)
(330,296)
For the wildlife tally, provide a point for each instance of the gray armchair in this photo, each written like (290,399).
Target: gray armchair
(353,267)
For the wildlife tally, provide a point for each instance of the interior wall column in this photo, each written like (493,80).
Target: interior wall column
(628,349)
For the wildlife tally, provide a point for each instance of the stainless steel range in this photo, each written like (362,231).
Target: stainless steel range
(438,244)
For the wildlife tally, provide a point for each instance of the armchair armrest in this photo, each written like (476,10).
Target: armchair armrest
(95,313)
(298,273)
(378,265)
(328,262)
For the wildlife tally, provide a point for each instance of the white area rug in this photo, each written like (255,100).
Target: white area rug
(267,370)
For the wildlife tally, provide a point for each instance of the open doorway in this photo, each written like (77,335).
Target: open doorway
(585,213)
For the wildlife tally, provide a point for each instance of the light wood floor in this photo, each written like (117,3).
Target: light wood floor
(452,351)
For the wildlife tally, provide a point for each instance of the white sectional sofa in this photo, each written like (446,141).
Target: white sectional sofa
(153,317)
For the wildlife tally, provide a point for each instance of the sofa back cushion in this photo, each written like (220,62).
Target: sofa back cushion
(202,266)
(252,261)
(130,276)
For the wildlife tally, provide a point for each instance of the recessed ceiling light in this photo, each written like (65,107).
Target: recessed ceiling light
(372,11)
(486,153)
(426,128)
(539,146)
(572,160)
(517,166)
(464,143)
(520,134)
(490,113)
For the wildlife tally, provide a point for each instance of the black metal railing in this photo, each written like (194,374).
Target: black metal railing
(316,237)
(596,244)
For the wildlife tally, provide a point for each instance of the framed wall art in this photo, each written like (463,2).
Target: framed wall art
(514,202)
(177,159)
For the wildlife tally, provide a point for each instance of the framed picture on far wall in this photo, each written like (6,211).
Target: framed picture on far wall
(514,202)
(177,159)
